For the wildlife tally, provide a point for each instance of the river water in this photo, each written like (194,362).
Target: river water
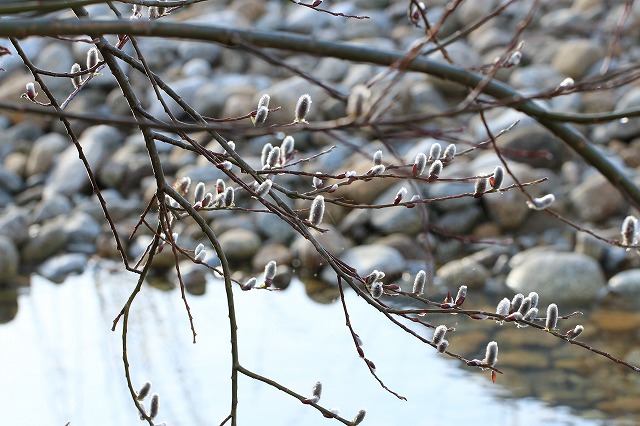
(61,363)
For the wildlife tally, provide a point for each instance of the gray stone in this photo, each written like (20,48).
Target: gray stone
(48,240)
(9,260)
(56,57)
(44,153)
(307,256)
(574,57)
(59,267)
(49,208)
(535,77)
(562,278)
(239,244)
(470,11)
(10,181)
(14,224)
(466,271)
(448,189)
(623,290)
(82,228)
(69,175)
(274,228)
(280,253)
(534,146)
(460,221)
(366,258)
(595,199)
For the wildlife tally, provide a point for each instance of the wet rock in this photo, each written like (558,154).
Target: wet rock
(534,146)
(44,153)
(47,240)
(57,268)
(309,259)
(574,57)
(9,260)
(570,278)
(466,271)
(366,258)
(82,228)
(69,175)
(14,223)
(51,207)
(623,290)
(268,252)
(595,199)
(239,244)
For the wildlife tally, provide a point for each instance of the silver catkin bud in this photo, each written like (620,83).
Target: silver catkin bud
(376,289)
(226,165)
(137,10)
(220,186)
(208,200)
(270,271)
(229,197)
(287,147)
(377,157)
(629,231)
(251,283)
(155,405)
(435,151)
(491,355)
(273,159)
(378,169)
(144,391)
(154,12)
(552,317)
(462,294)
(480,187)
(419,282)
(402,192)
(577,330)
(435,169)
(261,116)
(317,211)
(31,91)
(317,391)
(438,334)
(542,202)
(264,188)
(359,417)
(498,178)
(419,164)
(264,101)
(534,299)
(302,108)
(266,149)
(531,314)
(358,101)
(442,346)
(199,192)
(77,79)
(516,302)
(92,57)
(317,182)
(503,307)
(525,306)
(449,153)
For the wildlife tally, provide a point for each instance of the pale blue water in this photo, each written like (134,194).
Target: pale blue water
(61,363)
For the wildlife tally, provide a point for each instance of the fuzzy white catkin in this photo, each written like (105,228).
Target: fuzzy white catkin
(438,334)
(229,197)
(261,116)
(144,391)
(270,270)
(419,282)
(264,101)
(449,153)
(552,316)
(266,150)
(377,157)
(376,289)
(419,164)
(491,356)
(155,405)
(302,108)
(436,168)
(317,391)
(435,151)
(273,159)
(199,192)
(264,188)
(359,417)
(358,101)
(497,178)
(287,146)
(76,80)
(503,307)
(92,57)
(629,231)
(378,169)
(317,210)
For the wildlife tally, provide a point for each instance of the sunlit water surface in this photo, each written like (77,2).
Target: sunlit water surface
(61,363)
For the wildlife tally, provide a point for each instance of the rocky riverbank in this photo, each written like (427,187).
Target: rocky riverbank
(51,223)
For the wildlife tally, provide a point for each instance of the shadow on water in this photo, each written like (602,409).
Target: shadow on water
(65,360)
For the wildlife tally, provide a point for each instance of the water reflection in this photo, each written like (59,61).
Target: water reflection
(64,360)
